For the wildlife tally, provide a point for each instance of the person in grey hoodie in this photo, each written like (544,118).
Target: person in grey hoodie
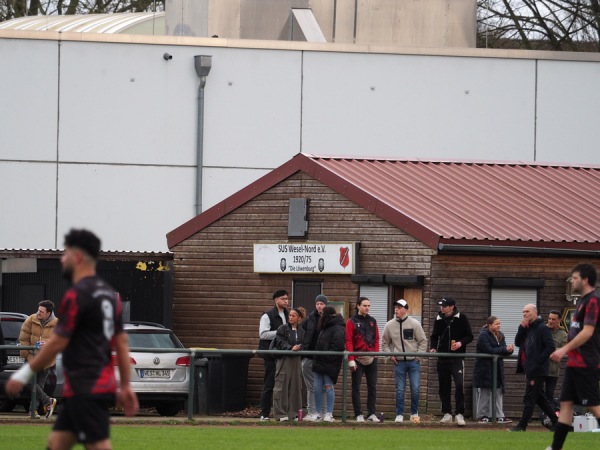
(403,334)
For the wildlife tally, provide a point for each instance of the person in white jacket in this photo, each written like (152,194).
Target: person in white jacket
(403,334)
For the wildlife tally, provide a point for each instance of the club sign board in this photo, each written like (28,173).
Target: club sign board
(305,257)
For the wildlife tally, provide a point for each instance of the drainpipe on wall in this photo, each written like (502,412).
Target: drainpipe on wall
(203,64)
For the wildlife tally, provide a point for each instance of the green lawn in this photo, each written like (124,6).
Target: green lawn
(175,437)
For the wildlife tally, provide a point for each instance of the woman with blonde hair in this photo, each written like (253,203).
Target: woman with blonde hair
(491,341)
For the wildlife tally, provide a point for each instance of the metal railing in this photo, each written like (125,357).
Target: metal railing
(250,353)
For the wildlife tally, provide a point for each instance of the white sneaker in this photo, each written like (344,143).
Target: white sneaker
(264,418)
(460,420)
(414,418)
(328,418)
(360,418)
(311,418)
(399,418)
(373,418)
(447,418)
(284,419)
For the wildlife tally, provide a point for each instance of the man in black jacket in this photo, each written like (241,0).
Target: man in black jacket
(311,335)
(269,322)
(535,343)
(451,334)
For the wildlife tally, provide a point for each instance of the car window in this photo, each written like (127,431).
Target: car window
(152,339)
(11,330)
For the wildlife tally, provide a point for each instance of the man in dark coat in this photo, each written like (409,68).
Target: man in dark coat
(535,347)
(451,334)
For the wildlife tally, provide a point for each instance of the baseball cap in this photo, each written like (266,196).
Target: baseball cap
(402,303)
(447,301)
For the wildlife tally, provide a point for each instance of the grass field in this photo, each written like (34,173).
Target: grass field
(176,437)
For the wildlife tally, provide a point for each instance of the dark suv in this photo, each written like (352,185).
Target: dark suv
(11,327)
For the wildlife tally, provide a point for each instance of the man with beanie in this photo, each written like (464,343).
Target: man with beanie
(404,334)
(451,334)
(535,347)
(580,384)
(362,335)
(270,321)
(311,334)
(36,331)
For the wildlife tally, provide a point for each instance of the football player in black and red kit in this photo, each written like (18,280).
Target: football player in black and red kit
(89,329)
(580,385)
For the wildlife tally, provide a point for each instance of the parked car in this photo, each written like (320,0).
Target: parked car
(161,380)
(11,323)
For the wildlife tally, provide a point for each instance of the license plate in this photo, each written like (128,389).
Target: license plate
(155,373)
(16,360)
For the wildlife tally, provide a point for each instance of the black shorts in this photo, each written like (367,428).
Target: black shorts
(580,386)
(86,417)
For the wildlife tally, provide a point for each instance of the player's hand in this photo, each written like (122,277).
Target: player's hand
(127,399)
(558,354)
(13,388)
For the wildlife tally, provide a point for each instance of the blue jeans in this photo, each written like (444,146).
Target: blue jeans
(413,368)
(323,381)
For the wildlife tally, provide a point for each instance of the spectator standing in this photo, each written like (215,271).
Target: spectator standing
(401,335)
(492,342)
(362,335)
(270,321)
(535,346)
(326,368)
(559,336)
(91,327)
(580,384)
(451,334)
(287,393)
(36,331)
(310,325)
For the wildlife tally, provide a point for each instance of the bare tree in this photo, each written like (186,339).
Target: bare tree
(10,9)
(571,25)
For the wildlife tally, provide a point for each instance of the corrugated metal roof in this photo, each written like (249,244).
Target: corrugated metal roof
(446,202)
(90,23)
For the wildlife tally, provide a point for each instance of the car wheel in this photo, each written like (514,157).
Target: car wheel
(7,405)
(169,409)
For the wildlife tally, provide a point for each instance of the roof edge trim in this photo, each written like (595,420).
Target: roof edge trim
(504,249)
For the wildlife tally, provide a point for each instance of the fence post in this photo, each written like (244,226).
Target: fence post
(190,405)
(344,386)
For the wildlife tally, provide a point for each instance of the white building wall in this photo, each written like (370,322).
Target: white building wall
(100,131)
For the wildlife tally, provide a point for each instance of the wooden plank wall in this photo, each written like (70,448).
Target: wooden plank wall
(466,278)
(218,299)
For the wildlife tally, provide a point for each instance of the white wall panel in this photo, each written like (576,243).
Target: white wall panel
(129,207)
(28,99)
(220,183)
(418,106)
(27,205)
(568,112)
(253,104)
(124,103)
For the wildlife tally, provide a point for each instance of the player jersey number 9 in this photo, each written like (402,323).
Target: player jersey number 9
(108,319)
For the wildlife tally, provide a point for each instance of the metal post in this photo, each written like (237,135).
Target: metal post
(344,386)
(494,386)
(190,406)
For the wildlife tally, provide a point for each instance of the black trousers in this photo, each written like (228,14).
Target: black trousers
(449,369)
(535,395)
(266,397)
(370,372)
(550,384)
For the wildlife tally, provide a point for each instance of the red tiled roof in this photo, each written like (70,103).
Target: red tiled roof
(443,202)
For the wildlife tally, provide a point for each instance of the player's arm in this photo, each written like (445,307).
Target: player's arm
(582,337)
(126,397)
